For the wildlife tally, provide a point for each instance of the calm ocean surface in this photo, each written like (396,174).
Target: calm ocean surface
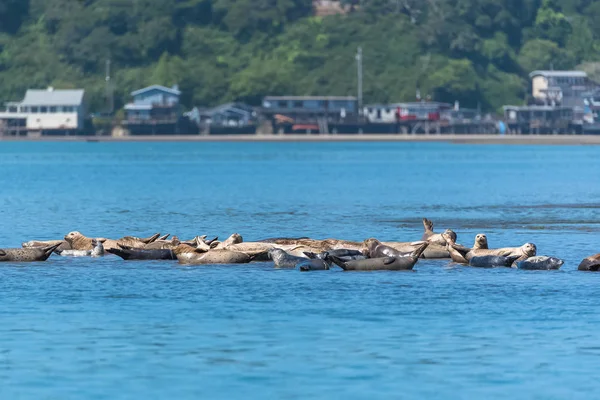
(104,328)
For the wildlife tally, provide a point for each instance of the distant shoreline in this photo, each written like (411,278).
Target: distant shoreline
(442,138)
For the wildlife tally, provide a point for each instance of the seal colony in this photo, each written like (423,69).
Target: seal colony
(303,253)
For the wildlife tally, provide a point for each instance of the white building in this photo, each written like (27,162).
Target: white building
(552,86)
(47,110)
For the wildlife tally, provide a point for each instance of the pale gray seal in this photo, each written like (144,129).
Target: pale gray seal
(30,254)
(282,259)
(383,263)
(540,263)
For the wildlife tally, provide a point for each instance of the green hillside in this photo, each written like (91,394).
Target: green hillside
(474,51)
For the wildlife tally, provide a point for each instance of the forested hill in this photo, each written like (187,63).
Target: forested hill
(474,51)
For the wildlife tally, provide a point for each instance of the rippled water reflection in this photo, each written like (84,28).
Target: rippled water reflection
(104,328)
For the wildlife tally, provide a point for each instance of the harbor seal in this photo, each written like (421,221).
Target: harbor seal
(30,254)
(163,244)
(591,263)
(233,239)
(492,261)
(384,263)
(128,253)
(217,256)
(458,252)
(524,252)
(282,259)
(313,265)
(375,249)
(78,241)
(540,263)
(64,245)
(433,251)
(435,238)
(344,254)
(97,251)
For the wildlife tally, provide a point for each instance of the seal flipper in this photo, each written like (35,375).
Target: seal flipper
(310,255)
(338,261)
(124,247)
(49,250)
(389,260)
(419,250)
(164,237)
(2,253)
(151,238)
(428,225)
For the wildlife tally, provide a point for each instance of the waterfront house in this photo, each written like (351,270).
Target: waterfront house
(539,119)
(309,113)
(154,110)
(230,114)
(560,87)
(45,112)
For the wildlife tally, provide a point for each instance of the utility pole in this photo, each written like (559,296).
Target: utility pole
(109,91)
(360,79)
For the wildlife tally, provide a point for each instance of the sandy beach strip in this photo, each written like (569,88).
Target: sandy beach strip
(442,138)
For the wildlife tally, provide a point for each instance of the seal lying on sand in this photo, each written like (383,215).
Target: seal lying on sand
(128,253)
(217,256)
(384,263)
(282,259)
(524,252)
(233,239)
(542,263)
(492,261)
(64,245)
(344,254)
(435,238)
(81,242)
(163,244)
(376,249)
(457,252)
(591,263)
(433,251)
(30,254)
(97,251)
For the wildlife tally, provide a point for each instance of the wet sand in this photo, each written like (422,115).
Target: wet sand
(443,138)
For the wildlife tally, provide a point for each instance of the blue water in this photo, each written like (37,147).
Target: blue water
(104,328)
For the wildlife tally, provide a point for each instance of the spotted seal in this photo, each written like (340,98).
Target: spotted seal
(282,259)
(591,263)
(492,261)
(30,254)
(344,254)
(540,263)
(383,263)
(64,245)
